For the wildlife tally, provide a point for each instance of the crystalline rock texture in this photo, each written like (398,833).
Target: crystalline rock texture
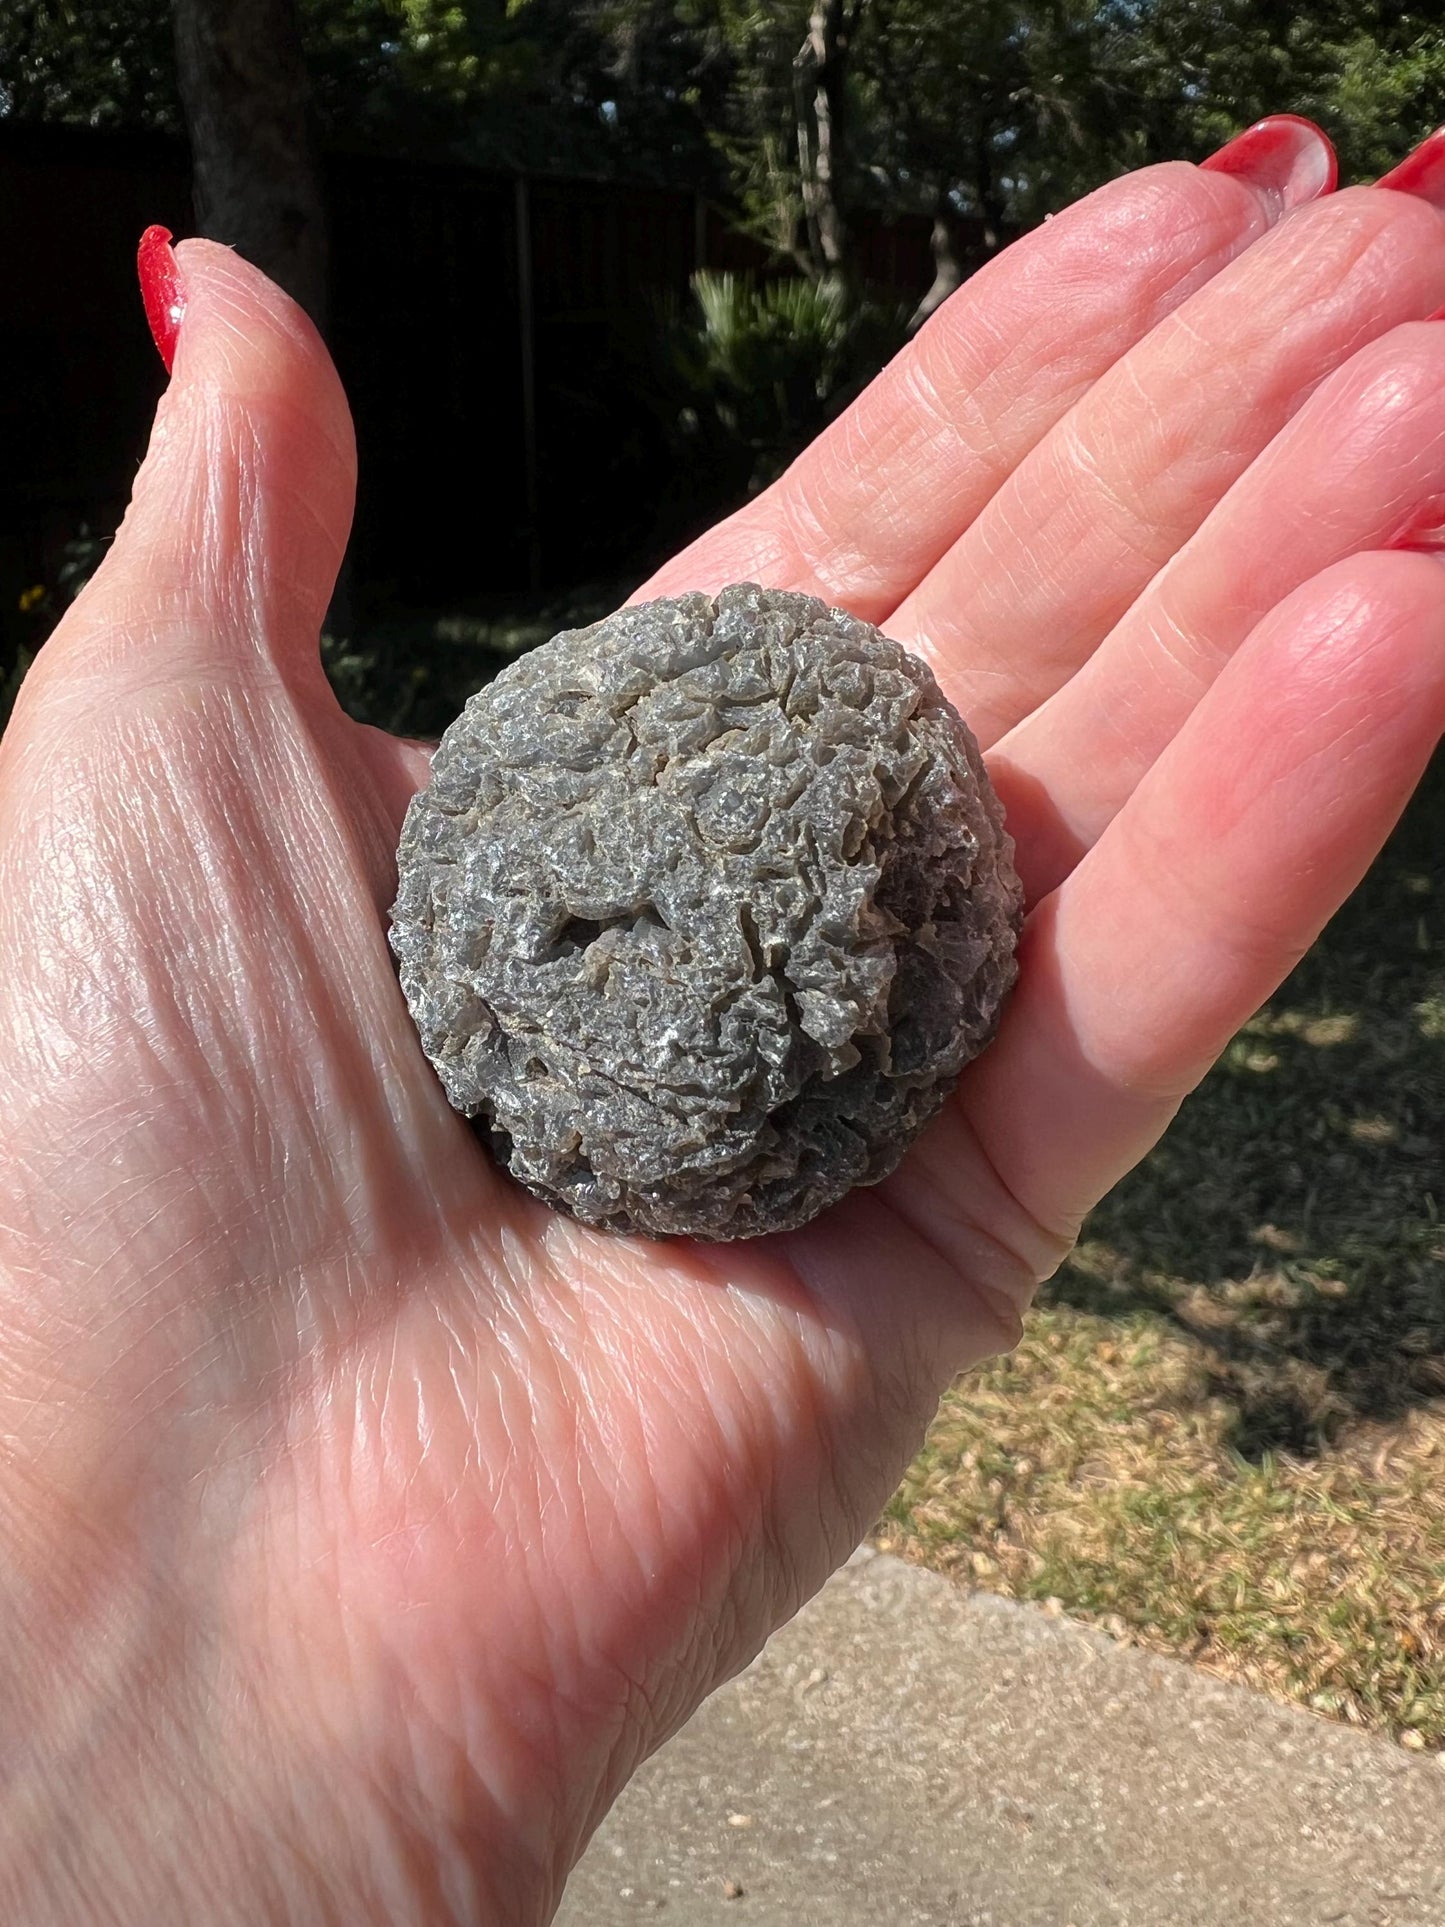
(703,910)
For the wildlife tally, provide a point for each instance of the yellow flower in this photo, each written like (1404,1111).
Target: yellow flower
(31,597)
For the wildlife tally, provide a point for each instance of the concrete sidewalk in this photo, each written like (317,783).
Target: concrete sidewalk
(907,1754)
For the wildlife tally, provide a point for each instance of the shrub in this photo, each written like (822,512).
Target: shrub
(760,367)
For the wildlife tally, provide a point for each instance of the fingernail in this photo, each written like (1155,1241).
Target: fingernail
(1286,156)
(161,290)
(1422,172)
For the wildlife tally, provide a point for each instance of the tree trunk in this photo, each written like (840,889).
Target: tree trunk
(820,72)
(986,192)
(947,268)
(244,89)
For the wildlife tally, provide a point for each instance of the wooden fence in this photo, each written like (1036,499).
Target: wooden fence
(491,333)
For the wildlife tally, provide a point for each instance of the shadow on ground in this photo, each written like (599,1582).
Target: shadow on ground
(1292,1218)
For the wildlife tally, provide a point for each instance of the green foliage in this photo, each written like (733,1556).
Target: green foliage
(1388,89)
(1188,73)
(106,65)
(592,87)
(1002,109)
(754,132)
(624,87)
(761,367)
(1008,109)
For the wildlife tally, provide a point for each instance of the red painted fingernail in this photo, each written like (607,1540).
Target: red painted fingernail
(1286,156)
(1422,172)
(161,290)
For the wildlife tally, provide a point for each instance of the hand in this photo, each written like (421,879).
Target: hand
(362,1523)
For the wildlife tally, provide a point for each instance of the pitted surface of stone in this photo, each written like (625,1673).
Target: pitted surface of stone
(703,910)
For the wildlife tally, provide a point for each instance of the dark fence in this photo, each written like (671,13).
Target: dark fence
(493,335)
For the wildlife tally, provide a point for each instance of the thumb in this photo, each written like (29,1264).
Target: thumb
(229,551)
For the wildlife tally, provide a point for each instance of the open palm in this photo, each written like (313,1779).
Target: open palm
(363,1524)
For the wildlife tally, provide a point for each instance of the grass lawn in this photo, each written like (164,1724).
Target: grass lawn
(1224,1434)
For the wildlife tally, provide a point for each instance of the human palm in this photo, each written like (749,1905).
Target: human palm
(363,1523)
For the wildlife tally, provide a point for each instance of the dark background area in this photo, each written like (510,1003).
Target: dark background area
(467,496)
(591,272)
(427,328)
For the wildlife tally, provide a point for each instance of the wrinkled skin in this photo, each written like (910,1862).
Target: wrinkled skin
(363,1524)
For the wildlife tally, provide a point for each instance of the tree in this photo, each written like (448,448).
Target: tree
(971,111)
(821,81)
(620,88)
(244,88)
(798,113)
(919,106)
(1191,72)
(108,65)
(784,126)
(1002,110)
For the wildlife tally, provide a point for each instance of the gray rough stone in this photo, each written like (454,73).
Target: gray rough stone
(703,910)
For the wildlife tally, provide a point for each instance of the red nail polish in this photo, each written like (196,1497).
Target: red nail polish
(1286,156)
(1422,172)
(161,290)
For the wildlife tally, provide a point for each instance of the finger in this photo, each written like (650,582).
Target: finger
(879,497)
(398,765)
(1084,523)
(1228,860)
(229,550)
(1362,462)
